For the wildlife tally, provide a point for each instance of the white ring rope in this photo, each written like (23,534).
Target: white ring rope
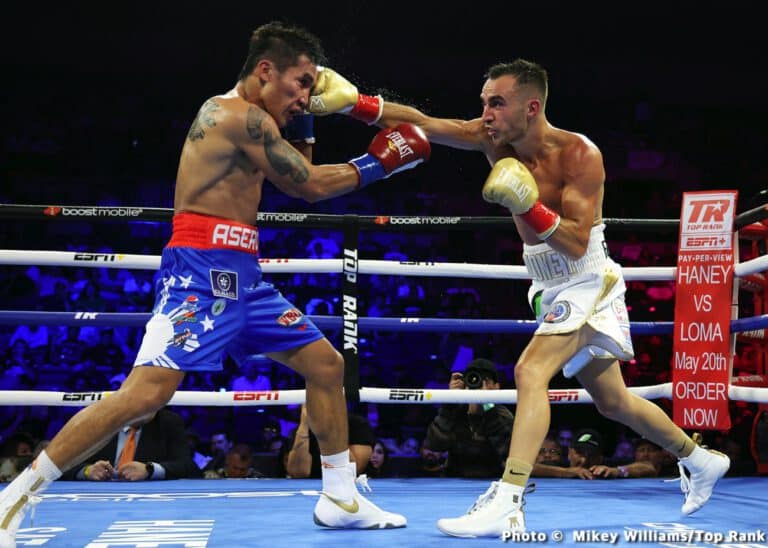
(330,266)
(367,395)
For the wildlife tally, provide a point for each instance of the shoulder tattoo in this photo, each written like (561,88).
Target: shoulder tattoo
(281,156)
(203,119)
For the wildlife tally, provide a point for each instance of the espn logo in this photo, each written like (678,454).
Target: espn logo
(256,396)
(405,394)
(705,242)
(563,395)
(84,396)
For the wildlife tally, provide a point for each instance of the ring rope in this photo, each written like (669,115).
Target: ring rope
(308,220)
(402,324)
(308,266)
(140,213)
(426,396)
(332,266)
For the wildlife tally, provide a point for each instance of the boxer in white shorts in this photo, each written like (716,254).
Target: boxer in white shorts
(566,294)
(552,181)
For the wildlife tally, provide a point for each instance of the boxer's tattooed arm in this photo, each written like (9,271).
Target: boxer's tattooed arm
(283,158)
(203,119)
(253,123)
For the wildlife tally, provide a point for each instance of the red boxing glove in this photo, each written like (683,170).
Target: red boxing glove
(401,147)
(392,149)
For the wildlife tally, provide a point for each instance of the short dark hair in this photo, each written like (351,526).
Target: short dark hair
(526,72)
(282,44)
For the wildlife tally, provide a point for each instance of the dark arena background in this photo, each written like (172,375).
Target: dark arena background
(410,278)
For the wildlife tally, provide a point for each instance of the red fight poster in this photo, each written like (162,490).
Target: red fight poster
(702,350)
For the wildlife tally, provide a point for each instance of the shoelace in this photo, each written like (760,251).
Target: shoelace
(488,496)
(485,498)
(362,483)
(33,501)
(685,483)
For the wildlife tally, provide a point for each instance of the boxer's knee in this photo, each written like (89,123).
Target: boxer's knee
(326,369)
(614,405)
(529,376)
(147,389)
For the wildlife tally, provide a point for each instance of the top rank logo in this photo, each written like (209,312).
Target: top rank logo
(709,213)
(52,211)
(706,211)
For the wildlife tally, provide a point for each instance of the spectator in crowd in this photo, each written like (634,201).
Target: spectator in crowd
(433,463)
(378,463)
(58,300)
(70,349)
(221,443)
(15,454)
(193,440)
(323,246)
(154,448)
(254,377)
(271,438)
(476,436)
(238,463)
(650,461)
(106,352)
(565,439)
(16,358)
(550,452)
(303,458)
(585,452)
(37,338)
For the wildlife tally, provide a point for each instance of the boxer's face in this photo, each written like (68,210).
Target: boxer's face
(505,109)
(286,93)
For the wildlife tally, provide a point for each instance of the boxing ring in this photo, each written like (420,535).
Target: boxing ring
(260,512)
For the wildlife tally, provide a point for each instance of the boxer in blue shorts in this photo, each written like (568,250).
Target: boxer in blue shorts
(211,297)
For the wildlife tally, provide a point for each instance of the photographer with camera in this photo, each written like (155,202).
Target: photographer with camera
(476,436)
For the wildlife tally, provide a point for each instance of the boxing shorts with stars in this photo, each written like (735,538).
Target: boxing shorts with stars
(211,300)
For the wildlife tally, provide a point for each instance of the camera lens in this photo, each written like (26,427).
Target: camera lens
(473,380)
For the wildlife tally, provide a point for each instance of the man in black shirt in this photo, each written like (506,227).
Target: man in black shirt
(476,436)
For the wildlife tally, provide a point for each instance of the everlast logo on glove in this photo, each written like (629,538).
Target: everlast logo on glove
(398,143)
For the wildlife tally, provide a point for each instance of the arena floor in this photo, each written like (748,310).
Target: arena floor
(274,512)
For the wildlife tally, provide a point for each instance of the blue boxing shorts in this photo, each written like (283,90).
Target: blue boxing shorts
(211,300)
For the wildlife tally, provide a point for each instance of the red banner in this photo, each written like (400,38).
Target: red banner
(702,350)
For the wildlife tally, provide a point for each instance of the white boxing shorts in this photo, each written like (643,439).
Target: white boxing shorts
(566,294)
